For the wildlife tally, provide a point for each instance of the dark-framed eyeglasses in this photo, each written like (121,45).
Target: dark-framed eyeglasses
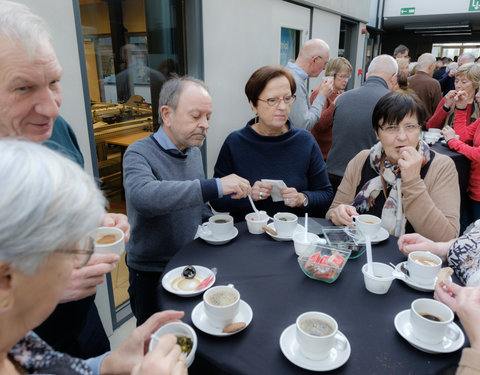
(273,102)
(395,129)
(80,256)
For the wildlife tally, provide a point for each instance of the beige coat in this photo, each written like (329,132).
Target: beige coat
(469,363)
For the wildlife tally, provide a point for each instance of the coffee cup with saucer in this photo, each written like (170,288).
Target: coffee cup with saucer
(218,230)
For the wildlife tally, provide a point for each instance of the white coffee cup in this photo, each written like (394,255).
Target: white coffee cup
(285,223)
(316,334)
(423,267)
(431,331)
(219,226)
(108,240)
(221,304)
(367,224)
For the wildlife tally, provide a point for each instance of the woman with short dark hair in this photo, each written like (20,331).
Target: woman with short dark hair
(400,179)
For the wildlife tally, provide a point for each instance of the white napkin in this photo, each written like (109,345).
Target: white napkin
(277,185)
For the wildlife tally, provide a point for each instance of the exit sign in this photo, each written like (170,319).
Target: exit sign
(474,6)
(410,11)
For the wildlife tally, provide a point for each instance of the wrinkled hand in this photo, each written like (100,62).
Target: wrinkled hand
(119,221)
(326,87)
(291,197)
(461,99)
(465,301)
(410,163)
(342,215)
(132,356)
(448,133)
(83,281)
(238,186)
(261,190)
(450,98)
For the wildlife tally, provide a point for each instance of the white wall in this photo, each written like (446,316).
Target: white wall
(357,9)
(425,7)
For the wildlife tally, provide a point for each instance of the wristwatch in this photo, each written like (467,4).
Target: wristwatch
(305,200)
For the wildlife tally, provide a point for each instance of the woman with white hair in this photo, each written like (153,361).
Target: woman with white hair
(48,205)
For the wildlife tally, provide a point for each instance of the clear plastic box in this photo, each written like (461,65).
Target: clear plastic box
(325,264)
(346,238)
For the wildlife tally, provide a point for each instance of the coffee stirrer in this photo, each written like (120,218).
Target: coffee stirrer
(369,255)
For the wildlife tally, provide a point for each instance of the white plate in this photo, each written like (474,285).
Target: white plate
(404,328)
(290,348)
(414,284)
(172,278)
(299,228)
(200,320)
(381,235)
(213,241)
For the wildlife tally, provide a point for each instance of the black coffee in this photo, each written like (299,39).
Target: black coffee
(220,221)
(431,317)
(285,218)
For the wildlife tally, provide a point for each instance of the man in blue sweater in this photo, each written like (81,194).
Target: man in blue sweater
(166,189)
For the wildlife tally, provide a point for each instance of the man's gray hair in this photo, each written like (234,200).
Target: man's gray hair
(172,89)
(383,64)
(19,25)
(47,202)
(426,60)
(466,56)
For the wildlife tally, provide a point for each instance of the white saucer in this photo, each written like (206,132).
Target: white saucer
(201,321)
(414,284)
(214,241)
(381,235)
(404,328)
(170,282)
(299,228)
(290,348)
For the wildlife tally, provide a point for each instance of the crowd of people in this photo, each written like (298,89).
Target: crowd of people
(339,154)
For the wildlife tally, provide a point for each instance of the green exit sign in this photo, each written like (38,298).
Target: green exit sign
(474,6)
(410,11)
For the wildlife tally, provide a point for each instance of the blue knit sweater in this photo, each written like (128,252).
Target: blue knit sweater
(293,157)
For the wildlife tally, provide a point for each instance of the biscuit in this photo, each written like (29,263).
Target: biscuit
(444,274)
(234,327)
(266,228)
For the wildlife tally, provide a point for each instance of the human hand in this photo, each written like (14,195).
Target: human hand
(410,163)
(461,99)
(261,190)
(291,197)
(342,215)
(452,72)
(238,186)
(450,98)
(465,301)
(83,281)
(119,221)
(133,357)
(326,87)
(448,133)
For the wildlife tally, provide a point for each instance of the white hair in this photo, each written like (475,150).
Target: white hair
(383,64)
(47,202)
(19,25)
(425,60)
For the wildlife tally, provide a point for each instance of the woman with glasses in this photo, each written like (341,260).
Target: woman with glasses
(410,187)
(269,147)
(340,70)
(467,81)
(48,206)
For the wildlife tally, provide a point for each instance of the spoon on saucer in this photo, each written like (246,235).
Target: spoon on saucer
(189,272)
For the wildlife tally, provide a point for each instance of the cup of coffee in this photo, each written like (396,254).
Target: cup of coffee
(219,226)
(431,321)
(221,304)
(316,334)
(285,223)
(367,224)
(108,240)
(423,267)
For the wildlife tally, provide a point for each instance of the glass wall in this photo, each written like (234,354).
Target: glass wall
(131,48)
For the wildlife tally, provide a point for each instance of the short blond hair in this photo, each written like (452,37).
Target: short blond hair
(336,65)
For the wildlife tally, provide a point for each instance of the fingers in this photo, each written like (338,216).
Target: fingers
(261,190)
(342,215)
(290,197)
(117,220)
(106,258)
(159,319)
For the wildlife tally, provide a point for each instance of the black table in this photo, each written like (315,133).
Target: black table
(269,279)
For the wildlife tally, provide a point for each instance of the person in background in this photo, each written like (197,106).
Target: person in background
(400,179)
(442,69)
(403,63)
(48,207)
(352,120)
(30,97)
(426,87)
(447,81)
(467,81)
(310,62)
(401,51)
(166,189)
(341,70)
(270,147)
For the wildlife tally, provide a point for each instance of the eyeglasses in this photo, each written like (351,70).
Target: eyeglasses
(344,76)
(273,102)
(395,129)
(80,257)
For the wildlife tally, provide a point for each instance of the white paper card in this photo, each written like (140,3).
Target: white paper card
(277,185)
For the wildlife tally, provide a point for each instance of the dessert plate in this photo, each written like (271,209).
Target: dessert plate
(175,283)
(214,241)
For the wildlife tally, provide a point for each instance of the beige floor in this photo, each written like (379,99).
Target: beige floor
(122,332)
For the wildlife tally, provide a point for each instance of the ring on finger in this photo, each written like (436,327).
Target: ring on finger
(287,201)
(261,195)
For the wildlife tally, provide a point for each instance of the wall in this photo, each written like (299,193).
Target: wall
(425,7)
(358,12)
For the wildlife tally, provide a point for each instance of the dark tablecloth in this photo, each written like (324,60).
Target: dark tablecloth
(269,279)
